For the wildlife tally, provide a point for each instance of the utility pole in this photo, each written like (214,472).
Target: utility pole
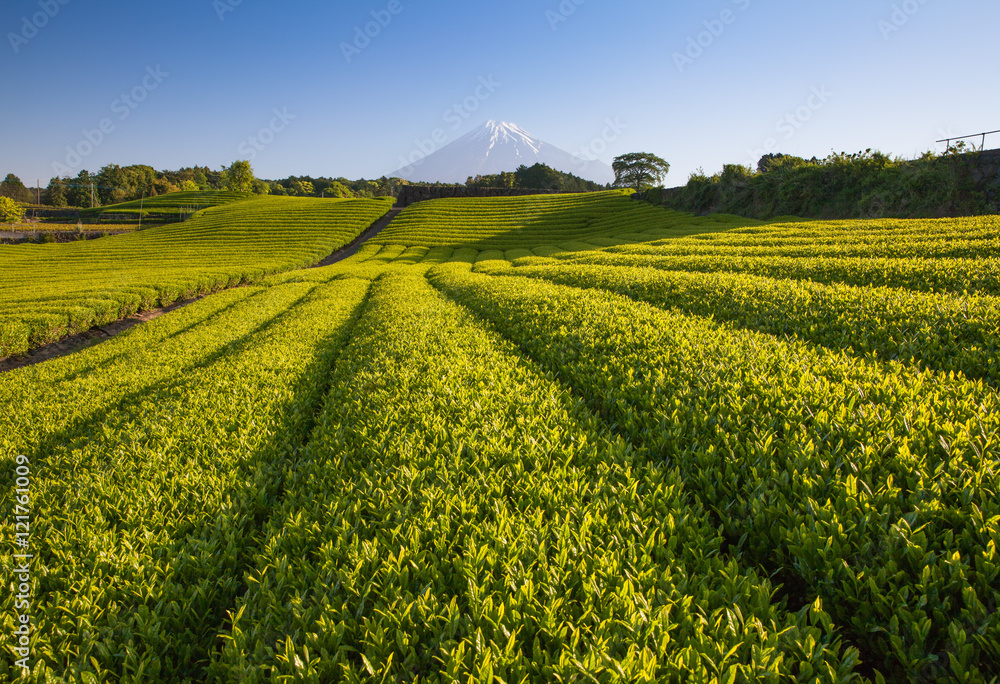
(91,195)
(140,208)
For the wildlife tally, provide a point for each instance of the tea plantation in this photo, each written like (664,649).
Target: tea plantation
(569,438)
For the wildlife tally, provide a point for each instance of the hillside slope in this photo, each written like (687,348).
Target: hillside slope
(47,291)
(533,221)
(704,440)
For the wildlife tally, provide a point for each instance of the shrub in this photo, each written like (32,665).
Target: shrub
(868,184)
(10,211)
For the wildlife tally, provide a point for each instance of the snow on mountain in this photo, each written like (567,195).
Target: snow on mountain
(495,147)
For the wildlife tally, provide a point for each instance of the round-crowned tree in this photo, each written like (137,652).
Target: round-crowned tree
(639,170)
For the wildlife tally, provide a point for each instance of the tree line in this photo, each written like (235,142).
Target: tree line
(114,184)
(864,185)
(111,185)
(537,177)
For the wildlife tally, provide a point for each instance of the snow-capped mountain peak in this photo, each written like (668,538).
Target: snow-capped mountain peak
(509,134)
(494,147)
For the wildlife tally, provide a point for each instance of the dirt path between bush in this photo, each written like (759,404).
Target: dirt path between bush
(85,339)
(98,334)
(352,247)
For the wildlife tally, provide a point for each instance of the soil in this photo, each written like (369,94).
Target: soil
(20,238)
(85,339)
(352,247)
(98,334)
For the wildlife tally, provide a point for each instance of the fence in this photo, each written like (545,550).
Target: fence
(966,137)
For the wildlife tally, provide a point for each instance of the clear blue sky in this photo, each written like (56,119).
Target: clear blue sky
(889,74)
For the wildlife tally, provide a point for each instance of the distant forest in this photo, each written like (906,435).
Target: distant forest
(114,184)
(537,177)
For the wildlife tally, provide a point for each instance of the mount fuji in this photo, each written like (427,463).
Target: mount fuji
(494,147)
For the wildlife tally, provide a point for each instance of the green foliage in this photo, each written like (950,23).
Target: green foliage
(55,194)
(639,170)
(959,256)
(459,539)
(78,190)
(241,388)
(104,280)
(10,211)
(864,185)
(181,203)
(14,189)
(536,177)
(559,438)
(302,188)
(115,184)
(518,222)
(239,177)
(941,331)
(337,188)
(504,179)
(834,473)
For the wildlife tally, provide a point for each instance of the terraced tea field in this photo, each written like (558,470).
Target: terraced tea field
(180,203)
(544,221)
(560,438)
(48,291)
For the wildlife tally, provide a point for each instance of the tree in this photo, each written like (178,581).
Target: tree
(338,190)
(303,188)
(78,190)
(13,188)
(239,177)
(639,170)
(125,183)
(367,188)
(538,177)
(162,186)
(55,194)
(111,184)
(10,211)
